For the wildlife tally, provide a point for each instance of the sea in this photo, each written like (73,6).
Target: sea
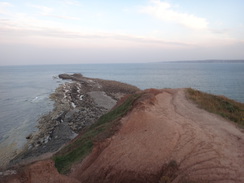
(25,90)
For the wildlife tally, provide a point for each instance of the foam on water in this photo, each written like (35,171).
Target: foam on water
(25,90)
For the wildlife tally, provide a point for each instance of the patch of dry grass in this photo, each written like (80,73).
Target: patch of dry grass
(220,105)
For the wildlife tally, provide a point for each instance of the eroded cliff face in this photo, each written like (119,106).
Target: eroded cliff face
(164,138)
(39,172)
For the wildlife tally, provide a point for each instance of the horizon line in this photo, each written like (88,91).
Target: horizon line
(166,61)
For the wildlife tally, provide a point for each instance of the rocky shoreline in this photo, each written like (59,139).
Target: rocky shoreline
(77,104)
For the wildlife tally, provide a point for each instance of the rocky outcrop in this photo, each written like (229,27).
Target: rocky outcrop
(74,77)
(78,104)
(164,138)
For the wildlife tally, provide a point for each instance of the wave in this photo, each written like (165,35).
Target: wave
(39,98)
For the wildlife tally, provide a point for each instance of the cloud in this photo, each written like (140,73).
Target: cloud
(220,31)
(164,12)
(64,17)
(36,29)
(44,10)
(71,2)
(4,6)
(146,40)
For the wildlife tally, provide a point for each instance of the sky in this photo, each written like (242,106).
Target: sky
(119,31)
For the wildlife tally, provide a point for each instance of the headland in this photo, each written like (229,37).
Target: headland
(133,136)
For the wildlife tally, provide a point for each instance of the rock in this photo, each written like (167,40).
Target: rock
(74,109)
(60,116)
(29,136)
(8,172)
(46,139)
(65,76)
(30,146)
(74,77)
(69,115)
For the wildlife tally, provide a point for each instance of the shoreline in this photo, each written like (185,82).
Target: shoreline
(181,140)
(77,105)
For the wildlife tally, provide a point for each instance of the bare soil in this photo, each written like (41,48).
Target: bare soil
(165,127)
(165,138)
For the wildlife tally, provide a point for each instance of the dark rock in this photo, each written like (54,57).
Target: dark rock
(65,76)
(61,117)
(29,137)
(74,77)
(74,110)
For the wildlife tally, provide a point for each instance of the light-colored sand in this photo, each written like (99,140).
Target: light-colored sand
(166,127)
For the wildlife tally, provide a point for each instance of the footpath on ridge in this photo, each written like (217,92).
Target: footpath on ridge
(164,138)
(167,138)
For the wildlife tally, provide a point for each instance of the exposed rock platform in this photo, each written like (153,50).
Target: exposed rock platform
(164,138)
(78,104)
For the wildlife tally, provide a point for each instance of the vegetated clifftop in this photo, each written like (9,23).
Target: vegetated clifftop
(151,136)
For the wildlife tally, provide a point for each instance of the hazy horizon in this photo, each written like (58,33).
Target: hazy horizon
(140,31)
(104,63)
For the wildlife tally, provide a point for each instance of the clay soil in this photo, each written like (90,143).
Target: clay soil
(165,127)
(165,138)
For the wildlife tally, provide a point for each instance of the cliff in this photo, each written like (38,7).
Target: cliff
(149,136)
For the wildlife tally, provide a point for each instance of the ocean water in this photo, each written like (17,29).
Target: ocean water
(25,90)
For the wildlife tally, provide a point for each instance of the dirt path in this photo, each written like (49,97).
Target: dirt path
(165,127)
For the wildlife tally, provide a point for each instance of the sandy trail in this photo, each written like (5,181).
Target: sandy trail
(162,127)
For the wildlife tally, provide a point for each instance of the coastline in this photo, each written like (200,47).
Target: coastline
(77,105)
(181,142)
(166,126)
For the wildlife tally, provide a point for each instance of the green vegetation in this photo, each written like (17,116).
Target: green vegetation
(220,105)
(169,172)
(102,129)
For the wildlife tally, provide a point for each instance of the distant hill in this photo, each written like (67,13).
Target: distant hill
(205,61)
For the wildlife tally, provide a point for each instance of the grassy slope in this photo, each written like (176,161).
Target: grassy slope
(103,128)
(220,105)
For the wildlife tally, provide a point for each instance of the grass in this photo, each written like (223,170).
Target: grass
(102,129)
(220,105)
(169,172)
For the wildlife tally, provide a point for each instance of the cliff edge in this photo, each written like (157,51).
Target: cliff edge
(163,138)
